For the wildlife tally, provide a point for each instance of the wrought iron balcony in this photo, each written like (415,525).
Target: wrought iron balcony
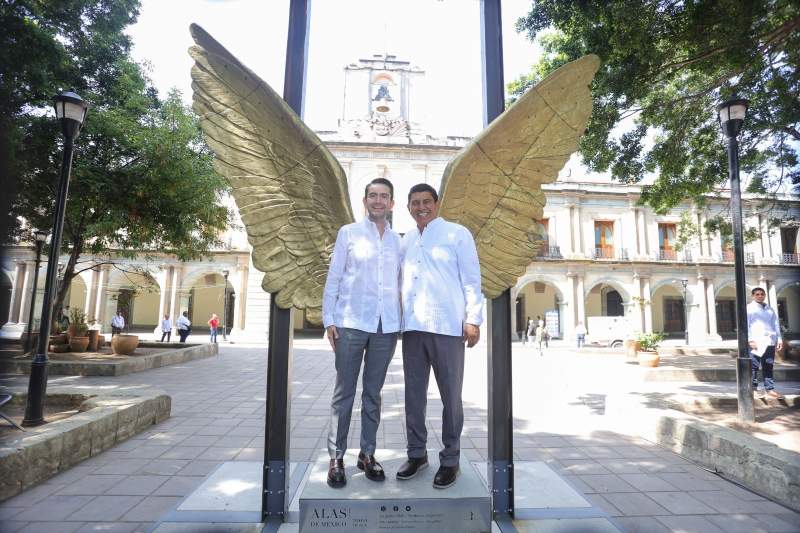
(608,253)
(549,252)
(729,257)
(667,255)
(790,259)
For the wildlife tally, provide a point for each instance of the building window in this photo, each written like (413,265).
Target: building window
(727,248)
(604,239)
(789,255)
(667,236)
(544,245)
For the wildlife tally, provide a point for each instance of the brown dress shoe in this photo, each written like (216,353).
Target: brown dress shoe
(336,477)
(372,468)
(445,477)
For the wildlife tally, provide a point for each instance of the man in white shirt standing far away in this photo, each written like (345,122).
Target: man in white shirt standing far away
(442,308)
(361,315)
(764,336)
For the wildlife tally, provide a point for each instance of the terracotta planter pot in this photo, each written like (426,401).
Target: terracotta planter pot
(78,344)
(124,344)
(59,348)
(77,330)
(631,348)
(101,341)
(93,336)
(648,358)
(59,338)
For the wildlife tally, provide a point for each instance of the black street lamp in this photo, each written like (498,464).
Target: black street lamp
(71,112)
(684,283)
(225,274)
(40,237)
(731,116)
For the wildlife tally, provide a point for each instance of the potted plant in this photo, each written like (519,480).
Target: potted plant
(648,348)
(78,329)
(57,335)
(124,344)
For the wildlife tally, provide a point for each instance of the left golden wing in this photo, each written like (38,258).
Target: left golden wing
(493,186)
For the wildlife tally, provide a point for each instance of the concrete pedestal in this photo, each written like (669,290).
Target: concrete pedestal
(411,505)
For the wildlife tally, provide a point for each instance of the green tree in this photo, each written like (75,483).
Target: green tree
(665,66)
(142,178)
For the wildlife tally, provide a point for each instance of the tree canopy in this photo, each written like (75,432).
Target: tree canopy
(142,177)
(666,64)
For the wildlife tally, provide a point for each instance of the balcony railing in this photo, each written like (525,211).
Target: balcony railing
(549,252)
(608,253)
(729,257)
(790,259)
(667,255)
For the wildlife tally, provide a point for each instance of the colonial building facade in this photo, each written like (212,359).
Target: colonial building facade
(605,254)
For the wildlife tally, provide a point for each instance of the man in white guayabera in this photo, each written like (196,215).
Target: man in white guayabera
(442,309)
(361,315)
(764,337)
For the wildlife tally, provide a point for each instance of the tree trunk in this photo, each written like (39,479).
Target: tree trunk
(69,274)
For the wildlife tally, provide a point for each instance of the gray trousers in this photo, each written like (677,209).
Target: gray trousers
(445,354)
(376,349)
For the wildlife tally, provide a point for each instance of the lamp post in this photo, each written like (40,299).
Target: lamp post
(225,274)
(684,283)
(731,115)
(71,112)
(40,237)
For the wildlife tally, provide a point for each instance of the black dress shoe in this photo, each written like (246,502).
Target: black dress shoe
(445,477)
(336,477)
(372,468)
(412,466)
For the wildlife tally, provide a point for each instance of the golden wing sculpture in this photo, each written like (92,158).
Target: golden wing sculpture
(290,190)
(493,186)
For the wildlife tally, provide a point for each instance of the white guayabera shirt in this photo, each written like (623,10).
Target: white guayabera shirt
(363,280)
(763,327)
(441,287)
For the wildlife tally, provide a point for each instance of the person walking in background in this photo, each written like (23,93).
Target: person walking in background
(531,333)
(580,334)
(541,336)
(765,340)
(184,326)
(213,324)
(117,323)
(166,328)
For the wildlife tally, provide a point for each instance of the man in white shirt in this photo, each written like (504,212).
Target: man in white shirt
(361,315)
(764,336)
(442,308)
(117,323)
(166,328)
(184,326)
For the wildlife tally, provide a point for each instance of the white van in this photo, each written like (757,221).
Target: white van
(607,330)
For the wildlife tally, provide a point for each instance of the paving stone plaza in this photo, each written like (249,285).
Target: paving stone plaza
(218,407)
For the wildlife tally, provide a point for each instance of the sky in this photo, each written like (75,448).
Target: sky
(440,36)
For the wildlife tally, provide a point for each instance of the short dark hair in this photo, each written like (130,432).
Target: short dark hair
(757,289)
(380,181)
(423,187)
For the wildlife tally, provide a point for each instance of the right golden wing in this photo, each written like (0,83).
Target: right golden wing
(290,190)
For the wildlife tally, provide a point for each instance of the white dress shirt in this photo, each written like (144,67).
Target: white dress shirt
(166,325)
(183,322)
(363,280)
(118,321)
(762,323)
(441,288)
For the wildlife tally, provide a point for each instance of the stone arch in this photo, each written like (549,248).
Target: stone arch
(669,308)
(77,293)
(606,297)
(611,282)
(206,295)
(537,295)
(137,295)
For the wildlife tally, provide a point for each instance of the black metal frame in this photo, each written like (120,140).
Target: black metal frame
(500,467)
(274,500)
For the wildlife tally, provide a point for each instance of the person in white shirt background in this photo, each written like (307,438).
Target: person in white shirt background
(117,323)
(765,340)
(166,328)
(442,309)
(184,326)
(361,315)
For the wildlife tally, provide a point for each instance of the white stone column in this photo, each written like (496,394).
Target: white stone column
(702,300)
(177,277)
(648,307)
(240,311)
(12,304)
(581,299)
(695,311)
(91,295)
(256,323)
(100,301)
(162,280)
(772,295)
(713,334)
(565,321)
(25,298)
(642,231)
(568,238)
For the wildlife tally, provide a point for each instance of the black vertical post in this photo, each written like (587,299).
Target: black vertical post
(274,501)
(743,370)
(500,466)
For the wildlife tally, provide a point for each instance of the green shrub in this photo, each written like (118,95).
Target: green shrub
(649,341)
